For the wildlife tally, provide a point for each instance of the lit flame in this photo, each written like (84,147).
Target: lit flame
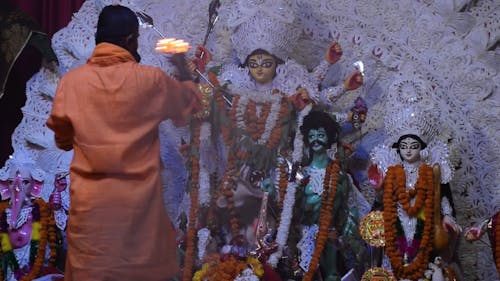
(172,46)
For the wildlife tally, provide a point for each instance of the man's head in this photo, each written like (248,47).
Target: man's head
(319,123)
(118,25)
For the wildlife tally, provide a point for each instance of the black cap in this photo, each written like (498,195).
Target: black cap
(115,22)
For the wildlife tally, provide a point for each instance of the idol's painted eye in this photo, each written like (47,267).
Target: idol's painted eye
(253,65)
(267,64)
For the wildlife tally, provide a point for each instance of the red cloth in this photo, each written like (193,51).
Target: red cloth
(270,274)
(51,14)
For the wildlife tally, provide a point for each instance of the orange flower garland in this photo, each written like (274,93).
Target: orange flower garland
(52,239)
(274,139)
(405,197)
(193,210)
(227,268)
(394,184)
(227,189)
(256,124)
(325,217)
(282,185)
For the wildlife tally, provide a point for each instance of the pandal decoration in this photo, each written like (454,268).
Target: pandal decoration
(371,229)
(325,217)
(378,274)
(394,192)
(43,232)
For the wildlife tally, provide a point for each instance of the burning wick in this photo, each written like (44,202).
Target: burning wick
(172,46)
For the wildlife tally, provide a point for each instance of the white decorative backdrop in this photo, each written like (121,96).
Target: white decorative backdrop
(452,44)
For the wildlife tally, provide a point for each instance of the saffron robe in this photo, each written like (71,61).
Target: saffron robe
(108,111)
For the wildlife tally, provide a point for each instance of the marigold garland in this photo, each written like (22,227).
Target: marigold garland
(283,183)
(227,189)
(274,139)
(227,268)
(193,210)
(47,235)
(255,126)
(394,184)
(325,217)
(405,196)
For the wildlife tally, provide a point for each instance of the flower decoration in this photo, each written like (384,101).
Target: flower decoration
(394,193)
(371,229)
(325,217)
(378,274)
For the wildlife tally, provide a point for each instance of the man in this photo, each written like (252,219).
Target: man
(108,111)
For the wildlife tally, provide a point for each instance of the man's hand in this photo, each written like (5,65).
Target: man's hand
(202,58)
(179,61)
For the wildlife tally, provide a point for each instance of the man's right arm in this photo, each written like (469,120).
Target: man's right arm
(59,122)
(181,99)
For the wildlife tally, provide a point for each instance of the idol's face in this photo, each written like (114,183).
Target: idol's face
(262,68)
(318,139)
(19,180)
(409,149)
